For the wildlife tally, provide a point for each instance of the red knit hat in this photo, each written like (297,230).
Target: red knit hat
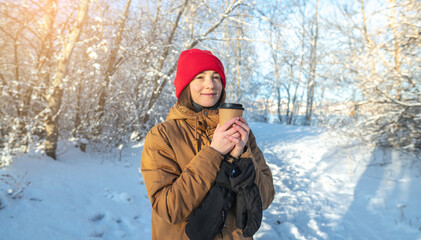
(192,62)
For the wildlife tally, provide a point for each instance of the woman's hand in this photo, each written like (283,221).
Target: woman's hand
(241,126)
(220,141)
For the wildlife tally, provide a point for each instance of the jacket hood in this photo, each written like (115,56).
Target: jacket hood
(178,112)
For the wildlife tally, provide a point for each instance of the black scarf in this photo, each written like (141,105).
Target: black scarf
(199,108)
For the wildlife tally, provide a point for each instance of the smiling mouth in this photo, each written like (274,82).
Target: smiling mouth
(209,94)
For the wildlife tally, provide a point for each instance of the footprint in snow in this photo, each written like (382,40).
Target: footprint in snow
(97,217)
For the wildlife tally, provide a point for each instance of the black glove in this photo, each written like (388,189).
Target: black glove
(209,218)
(249,203)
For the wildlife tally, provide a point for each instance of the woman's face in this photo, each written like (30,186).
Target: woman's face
(206,88)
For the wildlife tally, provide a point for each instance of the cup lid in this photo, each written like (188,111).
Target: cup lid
(232,106)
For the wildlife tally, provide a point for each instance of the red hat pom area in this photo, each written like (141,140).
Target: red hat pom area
(192,62)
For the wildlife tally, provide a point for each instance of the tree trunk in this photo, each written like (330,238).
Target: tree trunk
(313,64)
(396,52)
(192,19)
(238,67)
(227,62)
(297,86)
(277,78)
(1,87)
(157,88)
(54,99)
(279,104)
(298,106)
(370,43)
(79,87)
(288,90)
(300,73)
(51,122)
(19,131)
(46,46)
(111,68)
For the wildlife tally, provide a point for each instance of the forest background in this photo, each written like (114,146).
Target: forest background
(99,73)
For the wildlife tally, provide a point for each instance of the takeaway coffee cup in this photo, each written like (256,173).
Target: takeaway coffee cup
(228,111)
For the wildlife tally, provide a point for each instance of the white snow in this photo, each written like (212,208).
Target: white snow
(327,187)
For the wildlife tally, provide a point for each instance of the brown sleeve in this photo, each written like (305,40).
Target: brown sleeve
(174,193)
(264,178)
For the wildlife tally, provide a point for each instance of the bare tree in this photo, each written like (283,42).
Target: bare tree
(386,70)
(296,104)
(160,79)
(112,65)
(54,98)
(313,64)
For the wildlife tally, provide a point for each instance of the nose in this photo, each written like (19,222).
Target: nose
(209,83)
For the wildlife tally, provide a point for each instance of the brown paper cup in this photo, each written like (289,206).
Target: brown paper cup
(227,111)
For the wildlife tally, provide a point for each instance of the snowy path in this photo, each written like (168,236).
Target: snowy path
(324,190)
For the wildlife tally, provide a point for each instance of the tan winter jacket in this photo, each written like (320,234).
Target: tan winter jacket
(179,168)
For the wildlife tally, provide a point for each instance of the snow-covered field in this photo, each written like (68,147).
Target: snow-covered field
(327,187)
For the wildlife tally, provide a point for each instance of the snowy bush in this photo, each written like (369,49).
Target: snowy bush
(16,185)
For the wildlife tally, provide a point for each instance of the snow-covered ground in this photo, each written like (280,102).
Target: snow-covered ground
(327,187)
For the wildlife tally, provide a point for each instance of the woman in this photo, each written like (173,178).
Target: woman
(183,156)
